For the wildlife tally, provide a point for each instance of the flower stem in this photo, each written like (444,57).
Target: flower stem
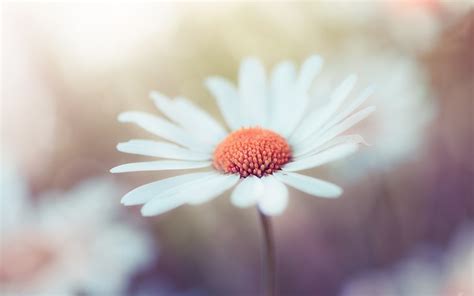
(270,259)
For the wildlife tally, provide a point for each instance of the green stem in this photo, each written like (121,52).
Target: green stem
(270,258)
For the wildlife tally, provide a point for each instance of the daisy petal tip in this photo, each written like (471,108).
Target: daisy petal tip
(120,146)
(370,110)
(276,213)
(352,147)
(272,212)
(148,211)
(211,80)
(124,116)
(337,194)
(154,93)
(349,149)
(363,141)
(157,96)
(121,117)
(238,204)
(129,200)
(125,201)
(215,84)
(315,60)
(250,60)
(116,170)
(251,65)
(211,83)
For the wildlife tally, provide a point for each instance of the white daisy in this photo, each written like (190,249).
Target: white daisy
(273,135)
(404,107)
(427,272)
(67,243)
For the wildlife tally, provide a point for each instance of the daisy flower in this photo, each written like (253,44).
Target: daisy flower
(273,135)
(404,108)
(67,243)
(427,272)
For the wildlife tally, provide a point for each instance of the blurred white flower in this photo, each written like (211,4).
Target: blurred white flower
(459,264)
(271,138)
(427,273)
(69,242)
(404,106)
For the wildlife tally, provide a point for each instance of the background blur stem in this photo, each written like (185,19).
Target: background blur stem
(270,260)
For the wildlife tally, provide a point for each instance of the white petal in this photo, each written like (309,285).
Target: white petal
(15,206)
(283,76)
(343,90)
(352,106)
(310,68)
(309,185)
(164,104)
(294,113)
(331,154)
(160,165)
(197,191)
(144,193)
(316,119)
(160,206)
(346,139)
(299,99)
(227,99)
(316,141)
(212,188)
(163,129)
(283,81)
(248,191)
(275,197)
(198,115)
(190,117)
(253,93)
(312,121)
(161,149)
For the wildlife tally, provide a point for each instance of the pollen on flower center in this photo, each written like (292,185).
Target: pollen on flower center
(252,151)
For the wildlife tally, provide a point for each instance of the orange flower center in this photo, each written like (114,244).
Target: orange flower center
(252,151)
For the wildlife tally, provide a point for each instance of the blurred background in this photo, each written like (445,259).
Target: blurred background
(404,225)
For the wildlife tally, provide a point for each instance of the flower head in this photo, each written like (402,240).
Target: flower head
(273,136)
(252,151)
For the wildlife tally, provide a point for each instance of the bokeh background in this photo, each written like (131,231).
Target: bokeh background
(404,225)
